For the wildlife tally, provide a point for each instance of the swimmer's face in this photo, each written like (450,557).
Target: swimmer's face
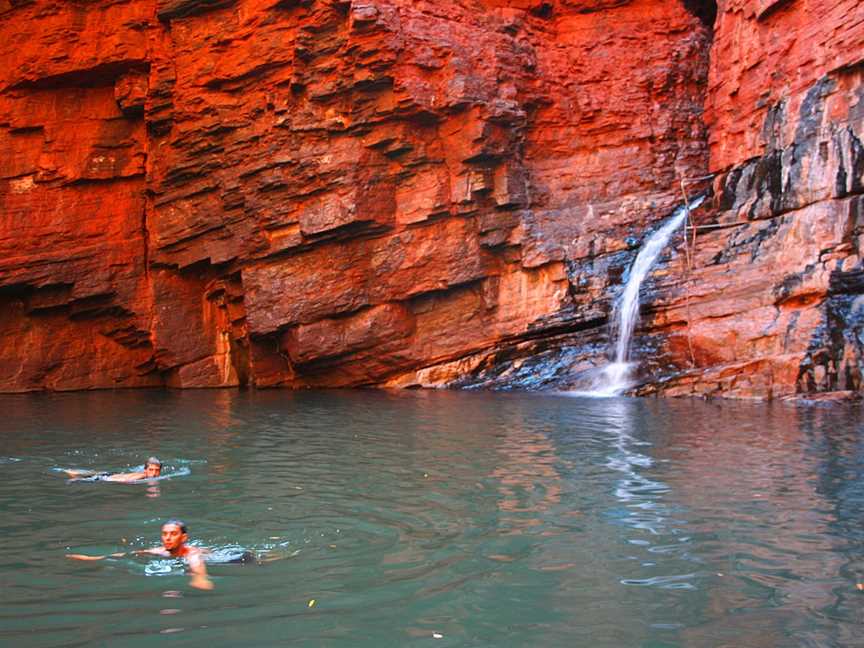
(173,537)
(152,470)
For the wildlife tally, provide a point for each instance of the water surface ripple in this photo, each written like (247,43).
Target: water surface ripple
(446,519)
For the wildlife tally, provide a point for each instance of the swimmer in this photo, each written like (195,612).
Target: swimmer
(152,469)
(174,545)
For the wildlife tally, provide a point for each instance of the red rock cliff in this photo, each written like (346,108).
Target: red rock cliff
(774,299)
(411,192)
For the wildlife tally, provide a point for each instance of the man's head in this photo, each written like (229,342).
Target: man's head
(174,535)
(153,467)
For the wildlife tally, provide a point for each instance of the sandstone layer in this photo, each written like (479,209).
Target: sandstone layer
(334,193)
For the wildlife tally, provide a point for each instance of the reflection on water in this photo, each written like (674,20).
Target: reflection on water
(638,493)
(463,519)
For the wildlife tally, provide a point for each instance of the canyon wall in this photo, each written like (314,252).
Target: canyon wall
(405,193)
(775,300)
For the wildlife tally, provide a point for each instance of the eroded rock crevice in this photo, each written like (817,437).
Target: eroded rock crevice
(705,10)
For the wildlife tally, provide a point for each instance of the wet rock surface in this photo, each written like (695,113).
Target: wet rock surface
(320,193)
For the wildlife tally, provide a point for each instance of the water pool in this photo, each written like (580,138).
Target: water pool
(435,519)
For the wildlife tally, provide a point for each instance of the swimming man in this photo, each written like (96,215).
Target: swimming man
(174,538)
(152,469)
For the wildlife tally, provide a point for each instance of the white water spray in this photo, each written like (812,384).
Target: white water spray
(614,378)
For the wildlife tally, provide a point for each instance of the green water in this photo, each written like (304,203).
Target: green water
(435,519)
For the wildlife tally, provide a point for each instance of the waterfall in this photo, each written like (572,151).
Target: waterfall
(614,378)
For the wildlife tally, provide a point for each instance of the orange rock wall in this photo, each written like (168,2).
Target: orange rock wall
(768,54)
(776,294)
(414,192)
(315,193)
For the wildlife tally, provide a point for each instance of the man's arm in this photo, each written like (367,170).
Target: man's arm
(199,577)
(156,551)
(73,473)
(85,557)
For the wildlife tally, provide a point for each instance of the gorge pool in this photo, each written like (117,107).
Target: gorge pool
(435,519)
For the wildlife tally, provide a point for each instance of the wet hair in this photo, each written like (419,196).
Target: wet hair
(153,461)
(177,523)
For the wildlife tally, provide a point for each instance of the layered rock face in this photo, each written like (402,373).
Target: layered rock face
(765,298)
(406,193)
(775,300)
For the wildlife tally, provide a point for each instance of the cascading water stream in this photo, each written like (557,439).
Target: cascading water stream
(614,379)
